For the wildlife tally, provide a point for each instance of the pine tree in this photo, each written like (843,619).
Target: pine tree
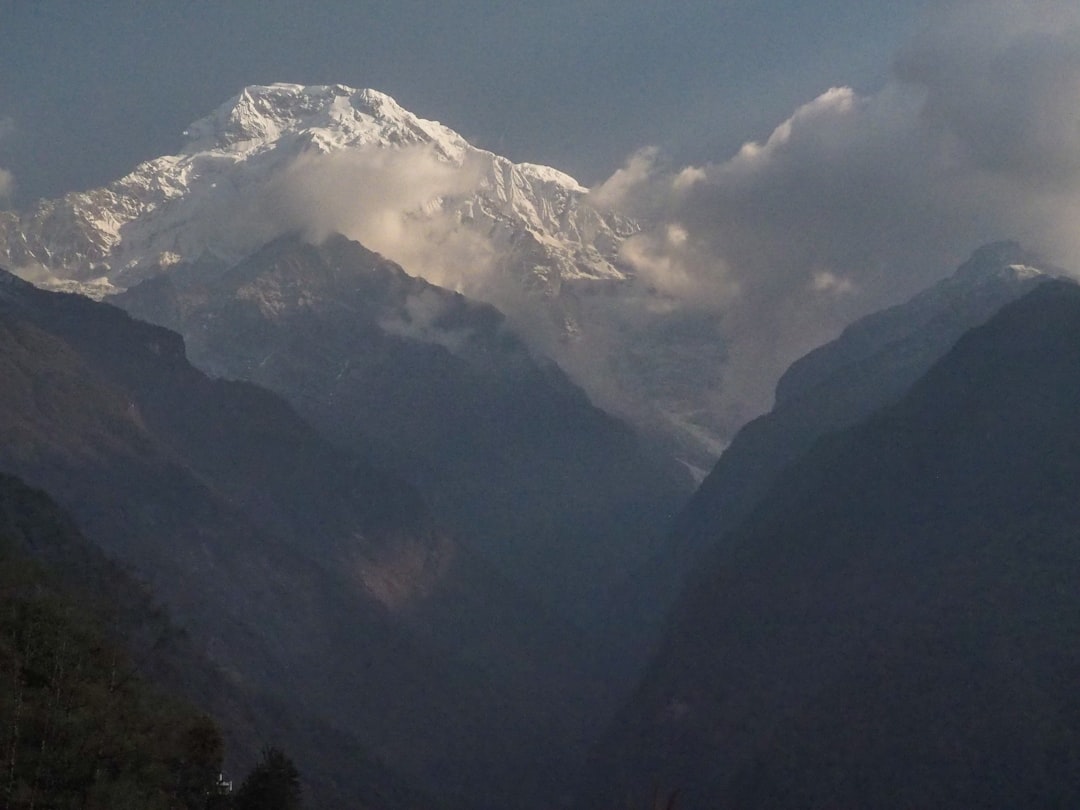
(273,784)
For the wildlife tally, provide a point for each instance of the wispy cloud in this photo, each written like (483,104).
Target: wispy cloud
(7,179)
(389,201)
(7,185)
(858,200)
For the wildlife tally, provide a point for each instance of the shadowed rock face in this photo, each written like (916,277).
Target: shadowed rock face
(316,581)
(872,364)
(893,625)
(561,497)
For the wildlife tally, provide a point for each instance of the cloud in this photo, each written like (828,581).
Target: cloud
(371,192)
(7,179)
(857,201)
(824,281)
(388,199)
(7,185)
(423,319)
(1001,85)
(622,191)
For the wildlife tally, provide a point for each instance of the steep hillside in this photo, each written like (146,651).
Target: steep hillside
(561,496)
(894,624)
(298,568)
(80,727)
(871,364)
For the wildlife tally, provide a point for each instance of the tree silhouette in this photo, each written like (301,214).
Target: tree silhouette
(273,784)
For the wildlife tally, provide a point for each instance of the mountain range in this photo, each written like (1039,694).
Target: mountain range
(891,625)
(316,160)
(393,432)
(871,364)
(564,498)
(309,577)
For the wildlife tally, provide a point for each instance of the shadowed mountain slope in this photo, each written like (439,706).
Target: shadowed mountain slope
(50,568)
(307,575)
(563,498)
(894,625)
(871,364)
(80,727)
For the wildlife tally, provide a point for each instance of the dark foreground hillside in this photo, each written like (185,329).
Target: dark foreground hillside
(870,365)
(332,601)
(896,624)
(111,705)
(79,726)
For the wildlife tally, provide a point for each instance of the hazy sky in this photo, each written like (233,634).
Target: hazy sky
(88,89)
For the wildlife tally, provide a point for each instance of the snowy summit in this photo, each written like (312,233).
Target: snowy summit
(316,160)
(172,208)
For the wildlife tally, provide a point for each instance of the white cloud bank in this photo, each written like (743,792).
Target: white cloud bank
(857,201)
(387,200)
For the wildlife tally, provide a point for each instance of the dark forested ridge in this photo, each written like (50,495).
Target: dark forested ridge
(895,625)
(152,722)
(79,725)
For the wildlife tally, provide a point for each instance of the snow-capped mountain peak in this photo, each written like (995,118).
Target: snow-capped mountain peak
(260,115)
(173,206)
(286,158)
(1006,259)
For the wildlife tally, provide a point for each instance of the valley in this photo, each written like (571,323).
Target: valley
(365,444)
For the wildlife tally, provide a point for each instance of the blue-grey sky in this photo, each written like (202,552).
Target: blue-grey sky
(88,89)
